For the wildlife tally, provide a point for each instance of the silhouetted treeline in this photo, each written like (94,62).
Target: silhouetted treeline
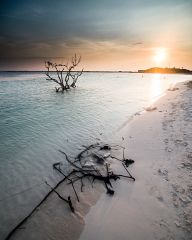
(166,70)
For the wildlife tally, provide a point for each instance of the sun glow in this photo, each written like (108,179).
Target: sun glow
(160,55)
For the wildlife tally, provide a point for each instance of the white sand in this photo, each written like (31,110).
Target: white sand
(159,204)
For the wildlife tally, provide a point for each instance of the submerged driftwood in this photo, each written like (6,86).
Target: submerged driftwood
(100,171)
(80,169)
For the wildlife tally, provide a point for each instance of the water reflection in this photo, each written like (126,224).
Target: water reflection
(156,87)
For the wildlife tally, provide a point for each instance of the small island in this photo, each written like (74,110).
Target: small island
(166,70)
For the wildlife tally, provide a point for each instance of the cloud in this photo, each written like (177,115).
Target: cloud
(45,28)
(138,43)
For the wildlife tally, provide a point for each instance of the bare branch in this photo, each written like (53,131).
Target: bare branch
(66,74)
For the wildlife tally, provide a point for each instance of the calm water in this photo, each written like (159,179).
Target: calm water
(35,123)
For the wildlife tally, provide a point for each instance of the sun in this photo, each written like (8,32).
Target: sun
(160,55)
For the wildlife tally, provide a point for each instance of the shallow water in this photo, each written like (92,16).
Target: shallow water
(35,122)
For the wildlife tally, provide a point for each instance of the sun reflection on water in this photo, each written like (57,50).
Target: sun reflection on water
(156,87)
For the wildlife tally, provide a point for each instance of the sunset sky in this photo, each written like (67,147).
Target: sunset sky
(108,34)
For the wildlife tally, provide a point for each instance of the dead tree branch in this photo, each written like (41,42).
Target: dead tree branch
(65,200)
(59,170)
(63,74)
(33,211)
(81,173)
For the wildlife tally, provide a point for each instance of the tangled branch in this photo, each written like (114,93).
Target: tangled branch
(63,74)
(81,170)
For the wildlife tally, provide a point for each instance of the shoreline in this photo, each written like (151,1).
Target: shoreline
(159,204)
(146,210)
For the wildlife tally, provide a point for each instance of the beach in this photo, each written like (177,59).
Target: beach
(158,205)
(95,120)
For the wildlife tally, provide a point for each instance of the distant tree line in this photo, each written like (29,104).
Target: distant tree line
(166,70)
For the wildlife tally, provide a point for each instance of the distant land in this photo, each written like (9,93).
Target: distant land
(166,70)
(149,70)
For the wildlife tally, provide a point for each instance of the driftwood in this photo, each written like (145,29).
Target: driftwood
(100,158)
(59,170)
(80,155)
(128,162)
(68,200)
(34,209)
(105,147)
(79,172)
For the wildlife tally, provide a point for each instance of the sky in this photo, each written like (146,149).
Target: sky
(108,34)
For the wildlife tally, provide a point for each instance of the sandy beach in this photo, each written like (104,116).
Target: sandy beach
(158,205)
(95,120)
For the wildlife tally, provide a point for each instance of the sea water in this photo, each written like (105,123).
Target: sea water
(36,122)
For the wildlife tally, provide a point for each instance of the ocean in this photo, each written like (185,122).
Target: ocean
(36,122)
